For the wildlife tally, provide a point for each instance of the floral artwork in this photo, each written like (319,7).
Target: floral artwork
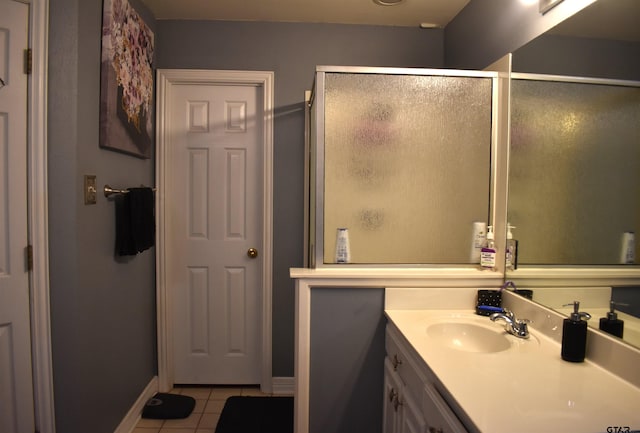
(126,88)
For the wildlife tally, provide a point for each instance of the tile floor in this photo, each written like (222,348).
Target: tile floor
(203,419)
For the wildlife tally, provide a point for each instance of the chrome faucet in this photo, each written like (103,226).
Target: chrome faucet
(513,326)
(528,293)
(509,284)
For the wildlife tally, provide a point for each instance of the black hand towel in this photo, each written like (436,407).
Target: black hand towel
(143,222)
(135,221)
(124,239)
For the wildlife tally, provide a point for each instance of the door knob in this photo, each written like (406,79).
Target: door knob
(252,253)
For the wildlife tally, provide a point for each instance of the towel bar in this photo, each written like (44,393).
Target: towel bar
(108,191)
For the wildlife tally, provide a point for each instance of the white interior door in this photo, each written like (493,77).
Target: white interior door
(214,226)
(16,389)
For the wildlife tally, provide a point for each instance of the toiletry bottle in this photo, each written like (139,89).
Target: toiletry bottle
(628,253)
(478,240)
(574,334)
(488,253)
(343,249)
(611,324)
(511,250)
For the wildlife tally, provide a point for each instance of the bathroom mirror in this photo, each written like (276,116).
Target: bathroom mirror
(600,42)
(574,170)
(575,143)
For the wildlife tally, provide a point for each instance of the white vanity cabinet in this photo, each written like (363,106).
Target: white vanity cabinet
(412,404)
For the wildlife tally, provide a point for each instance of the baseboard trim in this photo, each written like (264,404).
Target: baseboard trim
(283,385)
(132,417)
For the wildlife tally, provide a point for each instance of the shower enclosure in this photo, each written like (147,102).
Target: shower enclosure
(402,159)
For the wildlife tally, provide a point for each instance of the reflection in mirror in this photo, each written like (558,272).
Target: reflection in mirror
(601,41)
(574,170)
(597,302)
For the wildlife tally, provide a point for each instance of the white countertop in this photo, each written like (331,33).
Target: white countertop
(527,388)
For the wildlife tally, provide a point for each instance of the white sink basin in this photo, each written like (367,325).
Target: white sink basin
(469,337)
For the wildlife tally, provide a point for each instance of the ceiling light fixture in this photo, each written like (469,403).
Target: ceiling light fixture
(388,2)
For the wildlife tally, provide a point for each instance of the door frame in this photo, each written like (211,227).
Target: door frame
(37,215)
(166,79)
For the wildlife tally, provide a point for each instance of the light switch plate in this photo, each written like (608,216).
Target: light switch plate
(90,189)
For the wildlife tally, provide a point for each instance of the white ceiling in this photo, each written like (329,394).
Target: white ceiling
(608,19)
(410,13)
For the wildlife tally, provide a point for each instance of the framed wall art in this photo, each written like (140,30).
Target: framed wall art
(126,81)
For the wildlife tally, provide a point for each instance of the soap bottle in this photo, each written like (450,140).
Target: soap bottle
(488,253)
(611,324)
(574,334)
(511,262)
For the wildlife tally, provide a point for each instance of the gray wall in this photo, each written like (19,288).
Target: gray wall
(347,360)
(584,57)
(292,51)
(486,30)
(102,308)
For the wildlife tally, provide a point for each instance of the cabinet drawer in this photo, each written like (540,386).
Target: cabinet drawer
(405,364)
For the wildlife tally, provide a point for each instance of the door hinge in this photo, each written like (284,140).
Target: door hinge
(29,257)
(28,61)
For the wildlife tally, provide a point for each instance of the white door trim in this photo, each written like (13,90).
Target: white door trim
(38,218)
(166,78)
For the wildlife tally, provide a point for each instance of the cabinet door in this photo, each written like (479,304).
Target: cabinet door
(392,412)
(438,415)
(401,413)
(411,420)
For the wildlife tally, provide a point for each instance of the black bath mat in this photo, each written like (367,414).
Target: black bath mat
(256,415)
(168,406)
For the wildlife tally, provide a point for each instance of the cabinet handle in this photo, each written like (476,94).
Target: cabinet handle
(392,394)
(435,430)
(394,398)
(396,402)
(396,362)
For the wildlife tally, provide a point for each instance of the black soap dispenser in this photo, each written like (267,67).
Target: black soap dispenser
(574,334)
(611,324)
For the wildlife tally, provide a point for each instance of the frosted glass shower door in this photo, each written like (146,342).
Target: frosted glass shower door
(406,165)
